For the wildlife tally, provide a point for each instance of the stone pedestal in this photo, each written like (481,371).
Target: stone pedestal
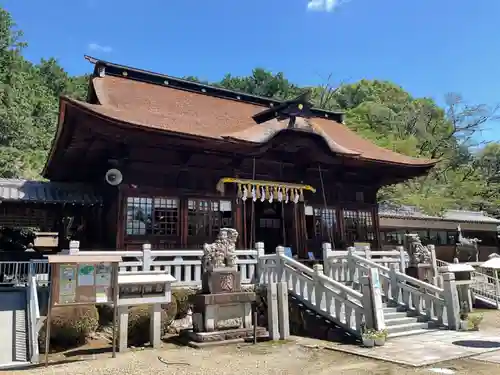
(421,272)
(221,280)
(223,313)
(220,317)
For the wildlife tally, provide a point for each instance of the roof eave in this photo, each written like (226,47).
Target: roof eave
(55,141)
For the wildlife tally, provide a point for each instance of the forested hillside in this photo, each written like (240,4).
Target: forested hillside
(379,110)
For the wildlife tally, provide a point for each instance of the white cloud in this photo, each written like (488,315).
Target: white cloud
(324,5)
(98,48)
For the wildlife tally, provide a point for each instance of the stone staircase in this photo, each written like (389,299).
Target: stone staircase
(400,322)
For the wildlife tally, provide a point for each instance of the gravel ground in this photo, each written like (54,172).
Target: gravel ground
(262,359)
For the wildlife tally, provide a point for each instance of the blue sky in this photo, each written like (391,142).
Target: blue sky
(430,47)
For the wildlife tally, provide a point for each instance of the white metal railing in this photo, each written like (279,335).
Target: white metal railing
(17,273)
(483,285)
(324,295)
(33,314)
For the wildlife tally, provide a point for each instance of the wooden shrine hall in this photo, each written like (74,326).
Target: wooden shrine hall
(176,160)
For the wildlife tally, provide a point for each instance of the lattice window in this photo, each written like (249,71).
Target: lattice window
(325,222)
(270,223)
(358,226)
(152,216)
(206,217)
(394,237)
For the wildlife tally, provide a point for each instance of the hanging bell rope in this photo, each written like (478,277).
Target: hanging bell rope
(266,190)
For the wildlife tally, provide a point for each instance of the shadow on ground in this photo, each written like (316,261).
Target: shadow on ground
(480,344)
(30,368)
(87,351)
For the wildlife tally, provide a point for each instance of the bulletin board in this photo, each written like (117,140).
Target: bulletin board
(82,284)
(82,280)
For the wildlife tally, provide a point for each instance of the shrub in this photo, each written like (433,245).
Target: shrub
(181,297)
(70,326)
(139,319)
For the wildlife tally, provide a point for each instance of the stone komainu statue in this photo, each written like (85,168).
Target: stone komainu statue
(467,245)
(418,253)
(221,253)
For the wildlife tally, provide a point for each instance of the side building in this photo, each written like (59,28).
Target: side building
(439,230)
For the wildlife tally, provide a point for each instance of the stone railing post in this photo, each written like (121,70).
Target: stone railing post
(280,265)
(372,300)
(368,252)
(351,265)
(402,259)
(434,267)
(74,247)
(393,280)
(272,310)
(318,293)
(367,303)
(327,253)
(147,260)
(259,247)
(283,313)
(451,300)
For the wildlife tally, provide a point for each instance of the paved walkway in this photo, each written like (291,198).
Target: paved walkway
(425,349)
(492,357)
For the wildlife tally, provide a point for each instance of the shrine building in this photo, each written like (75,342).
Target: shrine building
(173,161)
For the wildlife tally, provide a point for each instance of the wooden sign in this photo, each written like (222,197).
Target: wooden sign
(139,291)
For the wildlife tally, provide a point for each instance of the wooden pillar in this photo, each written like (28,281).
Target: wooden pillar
(300,230)
(296,230)
(121,212)
(183,218)
(377,244)
(340,220)
(238,222)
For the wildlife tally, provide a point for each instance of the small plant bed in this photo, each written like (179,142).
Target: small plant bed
(372,337)
(474,320)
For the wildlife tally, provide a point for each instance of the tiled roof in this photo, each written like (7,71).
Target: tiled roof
(410,212)
(162,106)
(12,190)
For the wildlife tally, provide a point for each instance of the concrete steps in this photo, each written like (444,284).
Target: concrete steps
(401,323)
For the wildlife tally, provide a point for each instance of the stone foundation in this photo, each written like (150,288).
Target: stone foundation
(223,335)
(212,312)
